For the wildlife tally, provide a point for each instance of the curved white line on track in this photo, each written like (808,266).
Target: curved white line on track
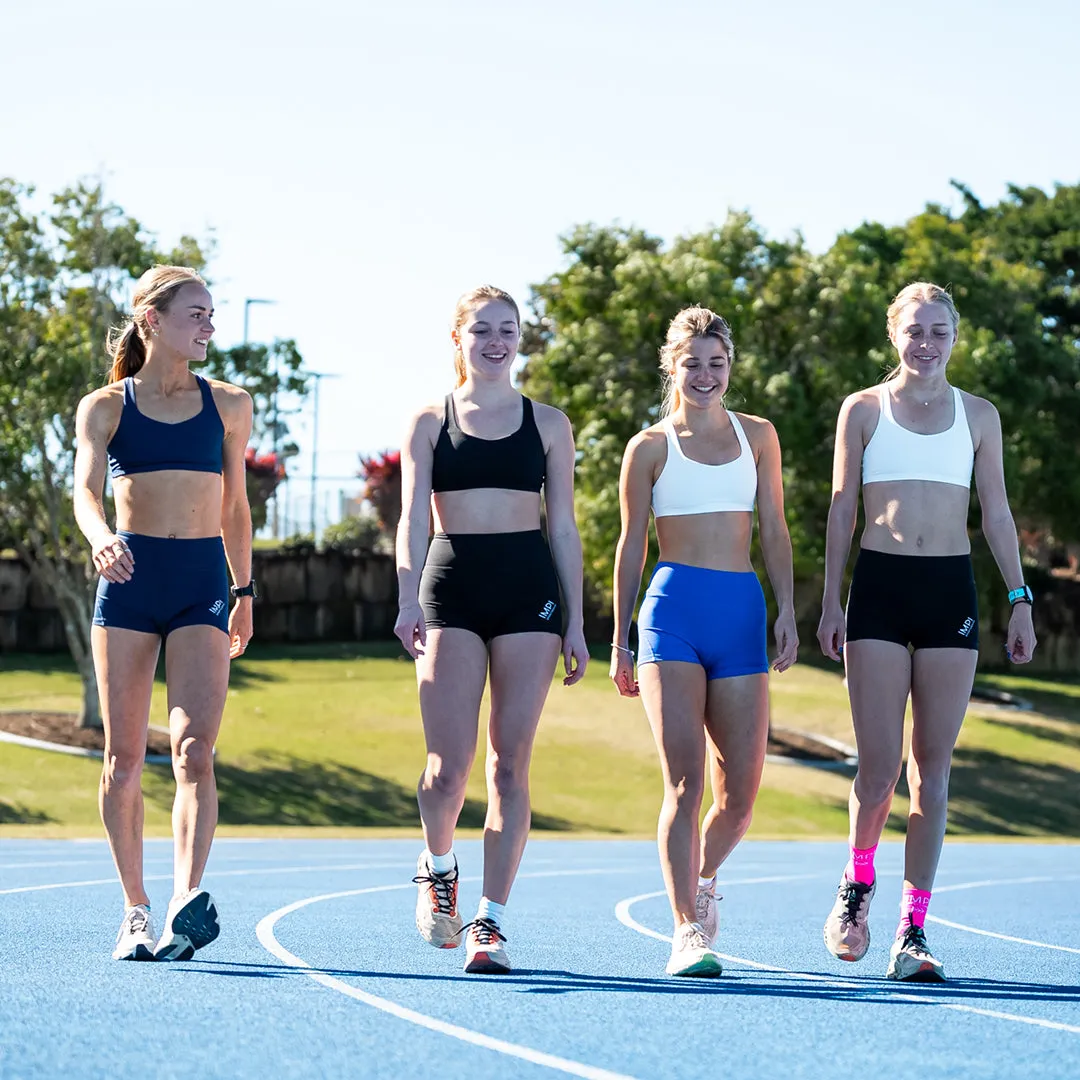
(622,913)
(1006,881)
(1002,937)
(264,931)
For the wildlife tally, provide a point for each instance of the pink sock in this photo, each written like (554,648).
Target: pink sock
(860,867)
(913,905)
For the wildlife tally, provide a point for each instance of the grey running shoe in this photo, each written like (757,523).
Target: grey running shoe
(191,923)
(847,929)
(485,949)
(707,910)
(136,938)
(437,916)
(691,955)
(910,959)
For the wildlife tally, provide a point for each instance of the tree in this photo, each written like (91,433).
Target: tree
(382,488)
(64,275)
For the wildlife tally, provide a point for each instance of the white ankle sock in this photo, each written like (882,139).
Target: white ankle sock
(705,882)
(441,864)
(488,909)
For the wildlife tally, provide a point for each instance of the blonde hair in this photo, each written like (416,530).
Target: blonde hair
(466,302)
(690,324)
(155,291)
(918,292)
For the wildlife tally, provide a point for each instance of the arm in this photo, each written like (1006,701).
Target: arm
(565,541)
(236,513)
(635,500)
(413,527)
(95,424)
(776,544)
(843,510)
(999,528)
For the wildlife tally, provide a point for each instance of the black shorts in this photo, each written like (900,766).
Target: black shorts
(925,601)
(491,584)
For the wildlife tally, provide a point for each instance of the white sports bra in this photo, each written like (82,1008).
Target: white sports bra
(895,453)
(692,487)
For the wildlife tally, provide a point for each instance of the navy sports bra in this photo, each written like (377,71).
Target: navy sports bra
(463,461)
(144,445)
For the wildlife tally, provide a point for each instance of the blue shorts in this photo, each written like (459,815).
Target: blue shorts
(175,583)
(715,618)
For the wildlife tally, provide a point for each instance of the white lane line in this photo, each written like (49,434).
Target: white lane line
(622,913)
(264,931)
(1005,881)
(1002,937)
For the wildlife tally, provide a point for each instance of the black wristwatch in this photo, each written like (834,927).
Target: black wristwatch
(246,590)
(1020,596)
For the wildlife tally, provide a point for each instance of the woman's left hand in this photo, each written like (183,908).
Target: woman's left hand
(1020,642)
(575,655)
(240,626)
(787,641)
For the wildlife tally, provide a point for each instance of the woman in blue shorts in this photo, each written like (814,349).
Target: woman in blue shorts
(173,444)
(702,665)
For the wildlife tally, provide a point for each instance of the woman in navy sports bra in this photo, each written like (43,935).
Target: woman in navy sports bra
(487,595)
(702,664)
(174,445)
(912,624)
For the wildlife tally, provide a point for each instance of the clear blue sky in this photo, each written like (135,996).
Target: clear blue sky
(364,163)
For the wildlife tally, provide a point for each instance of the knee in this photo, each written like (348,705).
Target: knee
(739,811)
(122,771)
(686,792)
(446,778)
(875,783)
(193,759)
(507,773)
(928,781)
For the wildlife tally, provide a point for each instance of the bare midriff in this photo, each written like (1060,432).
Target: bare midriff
(170,503)
(916,517)
(716,541)
(486,510)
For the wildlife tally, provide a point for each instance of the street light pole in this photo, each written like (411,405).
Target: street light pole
(247,305)
(318,376)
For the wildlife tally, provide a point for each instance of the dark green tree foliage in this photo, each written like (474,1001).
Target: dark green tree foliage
(809,329)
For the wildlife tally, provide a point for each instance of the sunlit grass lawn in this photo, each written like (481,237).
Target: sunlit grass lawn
(330,736)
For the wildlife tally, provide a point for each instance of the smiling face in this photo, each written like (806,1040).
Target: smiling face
(184,328)
(923,338)
(488,339)
(701,373)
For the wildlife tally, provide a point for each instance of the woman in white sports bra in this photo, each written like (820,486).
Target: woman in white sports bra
(912,624)
(701,629)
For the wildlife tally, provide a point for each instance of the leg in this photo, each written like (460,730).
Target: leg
(451,676)
(940,689)
(737,723)
(674,695)
(125,661)
(197,675)
(522,667)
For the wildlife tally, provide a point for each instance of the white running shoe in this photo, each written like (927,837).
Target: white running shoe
(691,955)
(707,909)
(910,959)
(847,929)
(191,922)
(437,916)
(136,938)
(485,949)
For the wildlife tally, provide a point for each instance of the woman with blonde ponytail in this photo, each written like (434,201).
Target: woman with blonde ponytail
(702,662)
(173,444)
(490,594)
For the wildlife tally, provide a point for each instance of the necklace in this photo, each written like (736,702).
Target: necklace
(933,398)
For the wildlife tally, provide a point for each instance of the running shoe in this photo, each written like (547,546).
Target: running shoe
(437,916)
(136,938)
(847,929)
(691,955)
(910,959)
(191,923)
(707,910)
(485,949)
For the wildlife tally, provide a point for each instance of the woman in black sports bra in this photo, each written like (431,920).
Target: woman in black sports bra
(490,595)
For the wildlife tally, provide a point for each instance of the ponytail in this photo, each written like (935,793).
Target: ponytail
(128,352)
(459,368)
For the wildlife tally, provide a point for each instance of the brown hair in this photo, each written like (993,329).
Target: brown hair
(466,302)
(918,292)
(155,290)
(690,323)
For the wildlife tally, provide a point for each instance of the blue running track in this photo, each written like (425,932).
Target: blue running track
(319,971)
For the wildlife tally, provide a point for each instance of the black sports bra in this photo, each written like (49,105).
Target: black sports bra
(463,461)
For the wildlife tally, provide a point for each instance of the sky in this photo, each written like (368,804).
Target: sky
(363,164)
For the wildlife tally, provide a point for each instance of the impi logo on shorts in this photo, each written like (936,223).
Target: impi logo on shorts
(969,625)
(548,610)
(217,607)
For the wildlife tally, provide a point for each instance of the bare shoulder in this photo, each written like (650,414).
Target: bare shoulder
(425,423)
(648,445)
(865,402)
(100,409)
(550,420)
(231,398)
(758,430)
(978,408)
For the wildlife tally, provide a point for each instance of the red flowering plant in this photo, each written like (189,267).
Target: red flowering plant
(264,473)
(382,488)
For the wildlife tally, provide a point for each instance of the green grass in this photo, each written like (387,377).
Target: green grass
(329,737)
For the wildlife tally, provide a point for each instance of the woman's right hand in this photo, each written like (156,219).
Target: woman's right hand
(112,558)
(410,629)
(831,632)
(621,672)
